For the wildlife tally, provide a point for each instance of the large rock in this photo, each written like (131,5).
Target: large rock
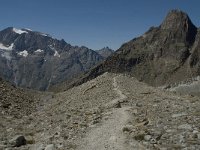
(18,141)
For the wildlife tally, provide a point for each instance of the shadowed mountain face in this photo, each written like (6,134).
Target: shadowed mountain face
(36,60)
(163,55)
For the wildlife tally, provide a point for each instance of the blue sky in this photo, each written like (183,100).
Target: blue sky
(92,23)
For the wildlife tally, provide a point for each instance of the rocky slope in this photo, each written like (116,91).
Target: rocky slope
(110,112)
(190,86)
(163,55)
(36,60)
(16,102)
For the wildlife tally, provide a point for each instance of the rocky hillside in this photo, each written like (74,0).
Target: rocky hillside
(36,60)
(163,55)
(16,102)
(111,112)
(105,52)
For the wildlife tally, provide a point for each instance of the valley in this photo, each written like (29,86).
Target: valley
(143,96)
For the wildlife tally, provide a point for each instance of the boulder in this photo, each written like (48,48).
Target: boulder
(18,141)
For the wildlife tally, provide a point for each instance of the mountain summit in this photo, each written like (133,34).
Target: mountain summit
(165,54)
(36,60)
(105,52)
(178,21)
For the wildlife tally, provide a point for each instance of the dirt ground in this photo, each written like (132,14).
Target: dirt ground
(111,112)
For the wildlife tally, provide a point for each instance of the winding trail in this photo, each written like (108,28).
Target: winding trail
(121,97)
(109,135)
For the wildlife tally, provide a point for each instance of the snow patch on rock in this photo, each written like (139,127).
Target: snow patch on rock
(8,48)
(23,53)
(19,31)
(43,34)
(56,54)
(28,29)
(39,51)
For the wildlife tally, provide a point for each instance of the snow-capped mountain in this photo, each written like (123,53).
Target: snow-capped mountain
(36,60)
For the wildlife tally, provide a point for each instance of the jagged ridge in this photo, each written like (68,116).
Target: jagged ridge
(36,60)
(163,55)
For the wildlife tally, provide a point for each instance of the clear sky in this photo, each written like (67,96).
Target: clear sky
(92,23)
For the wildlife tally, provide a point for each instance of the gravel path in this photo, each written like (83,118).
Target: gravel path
(109,135)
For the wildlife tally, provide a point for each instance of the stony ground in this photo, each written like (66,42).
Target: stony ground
(16,102)
(111,112)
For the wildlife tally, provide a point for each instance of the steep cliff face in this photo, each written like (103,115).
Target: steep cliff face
(163,55)
(36,60)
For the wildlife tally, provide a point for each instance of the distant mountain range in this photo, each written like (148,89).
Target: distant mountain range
(112,111)
(36,60)
(163,55)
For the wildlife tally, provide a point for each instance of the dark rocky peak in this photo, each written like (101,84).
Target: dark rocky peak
(22,32)
(180,24)
(15,30)
(83,48)
(26,39)
(63,41)
(106,49)
(7,36)
(9,29)
(158,57)
(105,52)
(176,19)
